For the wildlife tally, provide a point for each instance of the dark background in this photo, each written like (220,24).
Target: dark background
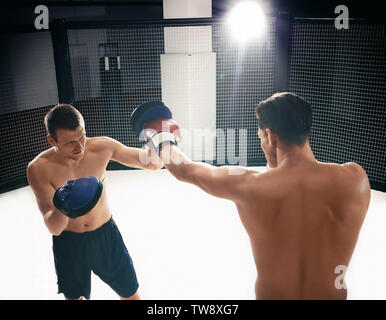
(19,12)
(342,74)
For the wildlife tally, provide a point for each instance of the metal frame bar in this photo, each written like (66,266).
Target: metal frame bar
(62,61)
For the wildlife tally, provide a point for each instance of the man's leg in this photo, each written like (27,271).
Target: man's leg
(80,298)
(135,296)
(72,266)
(112,262)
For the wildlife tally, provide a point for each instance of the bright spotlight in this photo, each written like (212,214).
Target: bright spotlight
(246,21)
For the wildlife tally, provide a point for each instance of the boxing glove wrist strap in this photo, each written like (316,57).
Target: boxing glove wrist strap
(161,138)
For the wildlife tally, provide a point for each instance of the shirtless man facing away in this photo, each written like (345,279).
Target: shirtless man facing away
(303,217)
(91,240)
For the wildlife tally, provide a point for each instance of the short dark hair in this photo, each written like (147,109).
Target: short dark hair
(288,115)
(62,116)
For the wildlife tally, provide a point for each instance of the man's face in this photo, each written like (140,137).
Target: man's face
(71,143)
(268,144)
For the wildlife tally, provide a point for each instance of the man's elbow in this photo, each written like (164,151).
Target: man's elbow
(55,231)
(54,228)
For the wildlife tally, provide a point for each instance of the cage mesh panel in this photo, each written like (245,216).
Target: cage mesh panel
(342,73)
(107,97)
(27,91)
(23,138)
(27,72)
(114,70)
(245,76)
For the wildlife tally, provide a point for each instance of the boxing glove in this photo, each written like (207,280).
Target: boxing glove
(152,122)
(78,196)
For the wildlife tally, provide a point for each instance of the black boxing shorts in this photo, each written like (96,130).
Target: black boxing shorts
(101,251)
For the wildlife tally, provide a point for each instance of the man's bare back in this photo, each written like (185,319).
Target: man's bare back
(303,217)
(303,222)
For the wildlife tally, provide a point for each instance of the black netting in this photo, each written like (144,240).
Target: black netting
(342,73)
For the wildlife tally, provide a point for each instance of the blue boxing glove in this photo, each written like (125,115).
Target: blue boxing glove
(77,197)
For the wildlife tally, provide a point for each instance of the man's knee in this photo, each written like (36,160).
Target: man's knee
(80,298)
(135,296)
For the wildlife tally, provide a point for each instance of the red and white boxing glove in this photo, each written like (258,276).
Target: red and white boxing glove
(159,132)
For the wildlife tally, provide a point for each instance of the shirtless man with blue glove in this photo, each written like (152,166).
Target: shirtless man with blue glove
(67,180)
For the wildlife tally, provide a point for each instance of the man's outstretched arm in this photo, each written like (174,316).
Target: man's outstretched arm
(153,121)
(223,182)
(132,157)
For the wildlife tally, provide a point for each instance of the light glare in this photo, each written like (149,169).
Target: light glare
(246,21)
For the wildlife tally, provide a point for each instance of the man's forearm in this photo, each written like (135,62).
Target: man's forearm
(55,221)
(178,164)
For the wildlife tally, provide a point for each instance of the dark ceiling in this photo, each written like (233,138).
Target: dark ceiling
(21,12)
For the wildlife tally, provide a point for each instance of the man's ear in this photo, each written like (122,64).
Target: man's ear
(51,141)
(271,137)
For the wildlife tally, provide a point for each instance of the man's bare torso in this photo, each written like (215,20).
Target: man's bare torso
(94,163)
(303,222)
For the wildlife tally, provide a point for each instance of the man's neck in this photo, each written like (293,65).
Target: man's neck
(295,155)
(67,161)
